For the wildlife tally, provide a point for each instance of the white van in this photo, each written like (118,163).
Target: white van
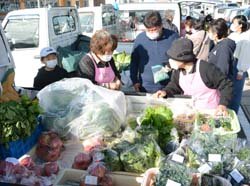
(30,30)
(135,13)
(97,18)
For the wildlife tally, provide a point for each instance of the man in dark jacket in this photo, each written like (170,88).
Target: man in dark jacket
(149,53)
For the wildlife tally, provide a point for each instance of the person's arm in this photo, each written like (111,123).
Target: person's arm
(215,79)
(134,64)
(112,64)
(86,69)
(173,86)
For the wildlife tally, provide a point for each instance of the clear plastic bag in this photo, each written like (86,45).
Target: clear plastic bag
(160,73)
(68,101)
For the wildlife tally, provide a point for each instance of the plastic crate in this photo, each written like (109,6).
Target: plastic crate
(20,147)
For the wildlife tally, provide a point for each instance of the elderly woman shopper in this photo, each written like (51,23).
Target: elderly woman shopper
(241,54)
(98,65)
(204,82)
(200,39)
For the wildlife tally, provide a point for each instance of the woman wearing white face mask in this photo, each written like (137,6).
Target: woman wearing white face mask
(98,65)
(51,72)
(204,82)
(241,54)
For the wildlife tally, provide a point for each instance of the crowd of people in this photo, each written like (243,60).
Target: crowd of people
(206,60)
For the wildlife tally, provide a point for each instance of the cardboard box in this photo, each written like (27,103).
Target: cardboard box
(119,178)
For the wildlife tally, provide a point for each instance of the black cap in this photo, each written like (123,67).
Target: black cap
(182,50)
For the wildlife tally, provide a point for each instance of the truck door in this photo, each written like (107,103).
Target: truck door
(64,26)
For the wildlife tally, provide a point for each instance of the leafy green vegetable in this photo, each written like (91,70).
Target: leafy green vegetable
(207,143)
(174,171)
(244,154)
(122,61)
(18,119)
(112,160)
(159,118)
(139,156)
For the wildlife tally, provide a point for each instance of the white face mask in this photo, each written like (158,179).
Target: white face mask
(233,28)
(106,58)
(51,63)
(153,35)
(173,64)
(211,36)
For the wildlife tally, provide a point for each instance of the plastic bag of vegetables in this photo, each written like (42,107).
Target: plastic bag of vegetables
(204,144)
(65,101)
(139,156)
(95,120)
(112,160)
(171,171)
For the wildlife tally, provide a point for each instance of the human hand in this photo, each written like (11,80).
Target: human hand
(221,110)
(160,94)
(137,87)
(118,84)
(239,76)
(112,86)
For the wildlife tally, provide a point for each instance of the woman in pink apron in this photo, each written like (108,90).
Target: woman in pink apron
(98,65)
(204,82)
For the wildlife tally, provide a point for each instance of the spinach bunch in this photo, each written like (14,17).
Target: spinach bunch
(18,119)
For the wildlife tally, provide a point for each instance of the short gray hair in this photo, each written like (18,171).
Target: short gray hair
(169,14)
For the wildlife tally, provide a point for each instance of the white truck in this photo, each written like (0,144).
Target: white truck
(30,30)
(97,18)
(7,92)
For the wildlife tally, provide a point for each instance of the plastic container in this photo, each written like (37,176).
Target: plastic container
(18,148)
(235,125)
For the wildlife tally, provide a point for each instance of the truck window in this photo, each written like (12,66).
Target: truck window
(87,21)
(23,31)
(108,19)
(63,24)
(130,24)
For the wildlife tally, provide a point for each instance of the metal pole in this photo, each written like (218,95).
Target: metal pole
(38,3)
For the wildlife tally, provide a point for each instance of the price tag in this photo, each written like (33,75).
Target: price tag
(214,157)
(236,175)
(91,180)
(204,168)
(178,158)
(172,183)
(236,161)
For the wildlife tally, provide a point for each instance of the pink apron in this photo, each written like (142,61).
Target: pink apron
(103,75)
(203,97)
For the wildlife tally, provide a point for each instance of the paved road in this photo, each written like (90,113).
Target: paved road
(244,113)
